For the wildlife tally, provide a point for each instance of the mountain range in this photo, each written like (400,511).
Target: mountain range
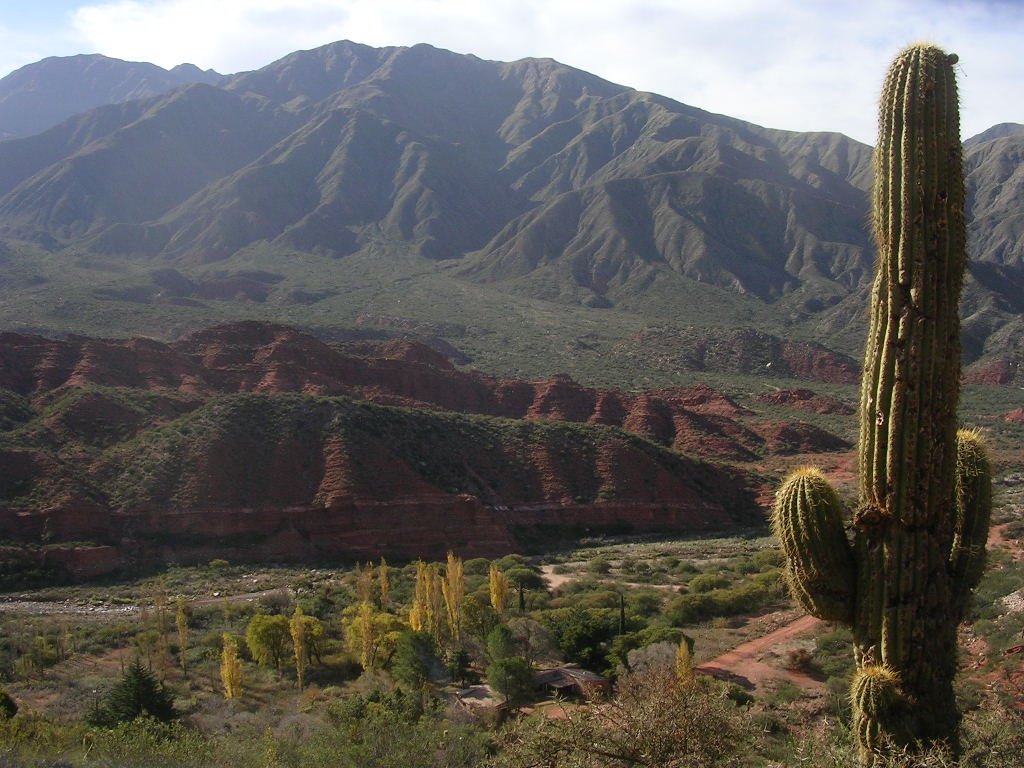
(528,214)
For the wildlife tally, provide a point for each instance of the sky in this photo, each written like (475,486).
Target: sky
(804,65)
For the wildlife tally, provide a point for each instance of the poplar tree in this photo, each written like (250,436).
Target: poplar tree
(385,584)
(453,589)
(498,583)
(300,648)
(181,622)
(230,668)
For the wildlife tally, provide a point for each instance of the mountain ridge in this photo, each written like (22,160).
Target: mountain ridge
(527,179)
(43,94)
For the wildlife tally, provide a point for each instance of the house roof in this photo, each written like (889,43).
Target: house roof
(568,676)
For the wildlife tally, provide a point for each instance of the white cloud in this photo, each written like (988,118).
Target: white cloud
(798,64)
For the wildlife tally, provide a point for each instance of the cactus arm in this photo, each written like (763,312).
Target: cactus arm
(819,561)
(879,709)
(973,513)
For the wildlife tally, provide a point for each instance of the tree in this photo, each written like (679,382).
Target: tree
(230,668)
(684,660)
(385,584)
(300,647)
(524,578)
(268,638)
(181,622)
(498,584)
(512,677)
(428,608)
(364,582)
(137,694)
(500,643)
(532,639)
(453,588)
(415,659)
(370,635)
(584,634)
(479,617)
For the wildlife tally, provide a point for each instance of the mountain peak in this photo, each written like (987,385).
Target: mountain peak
(999,131)
(47,92)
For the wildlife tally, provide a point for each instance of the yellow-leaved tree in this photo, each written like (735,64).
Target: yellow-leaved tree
(370,635)
(300,646)
(385,585)
(453,589)
(230,668)
(498,583)
(181,622)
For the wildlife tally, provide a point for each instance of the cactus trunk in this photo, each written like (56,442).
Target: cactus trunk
(920,526)
(905,616)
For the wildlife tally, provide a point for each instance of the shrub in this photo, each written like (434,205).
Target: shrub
(8,707)
(654,720)
(706,582)
(138,694)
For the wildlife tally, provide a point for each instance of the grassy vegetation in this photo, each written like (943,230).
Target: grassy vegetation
(615,604)
(379,290)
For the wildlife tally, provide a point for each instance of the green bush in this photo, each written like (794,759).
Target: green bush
(693,607)
(8,707)
(706,582)
(138,694)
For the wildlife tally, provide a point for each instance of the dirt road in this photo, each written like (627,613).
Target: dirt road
(748,663)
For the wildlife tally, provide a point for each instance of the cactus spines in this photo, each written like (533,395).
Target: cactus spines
(911,375)
(819,562)
(878,705)
(973,510)
(920,526)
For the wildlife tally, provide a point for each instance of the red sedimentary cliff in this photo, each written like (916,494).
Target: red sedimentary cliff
(219,446)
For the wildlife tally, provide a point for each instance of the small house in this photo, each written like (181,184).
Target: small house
(572,681)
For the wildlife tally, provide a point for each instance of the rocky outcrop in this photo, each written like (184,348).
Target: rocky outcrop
(1000,372)
(260,357)
(806,400)
(737,351)
(789,438)
(261,442)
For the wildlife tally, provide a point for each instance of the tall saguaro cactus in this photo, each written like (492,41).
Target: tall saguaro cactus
(919,531)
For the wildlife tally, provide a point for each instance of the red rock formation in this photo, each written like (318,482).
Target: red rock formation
(812,361)
(280,477)
(650,417)
(789,438)
(715,436)
(806,400)
(562,398)
(1000,372)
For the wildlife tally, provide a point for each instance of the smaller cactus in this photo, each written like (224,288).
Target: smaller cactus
(973,511)
(879,709)
(819,561)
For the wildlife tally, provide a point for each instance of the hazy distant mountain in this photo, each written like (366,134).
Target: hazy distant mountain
(530,178)
(995,132)
(40,95)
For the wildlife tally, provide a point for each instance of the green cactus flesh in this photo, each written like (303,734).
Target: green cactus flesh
(925,490)
(973,511)
(819,562)
(878,707)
